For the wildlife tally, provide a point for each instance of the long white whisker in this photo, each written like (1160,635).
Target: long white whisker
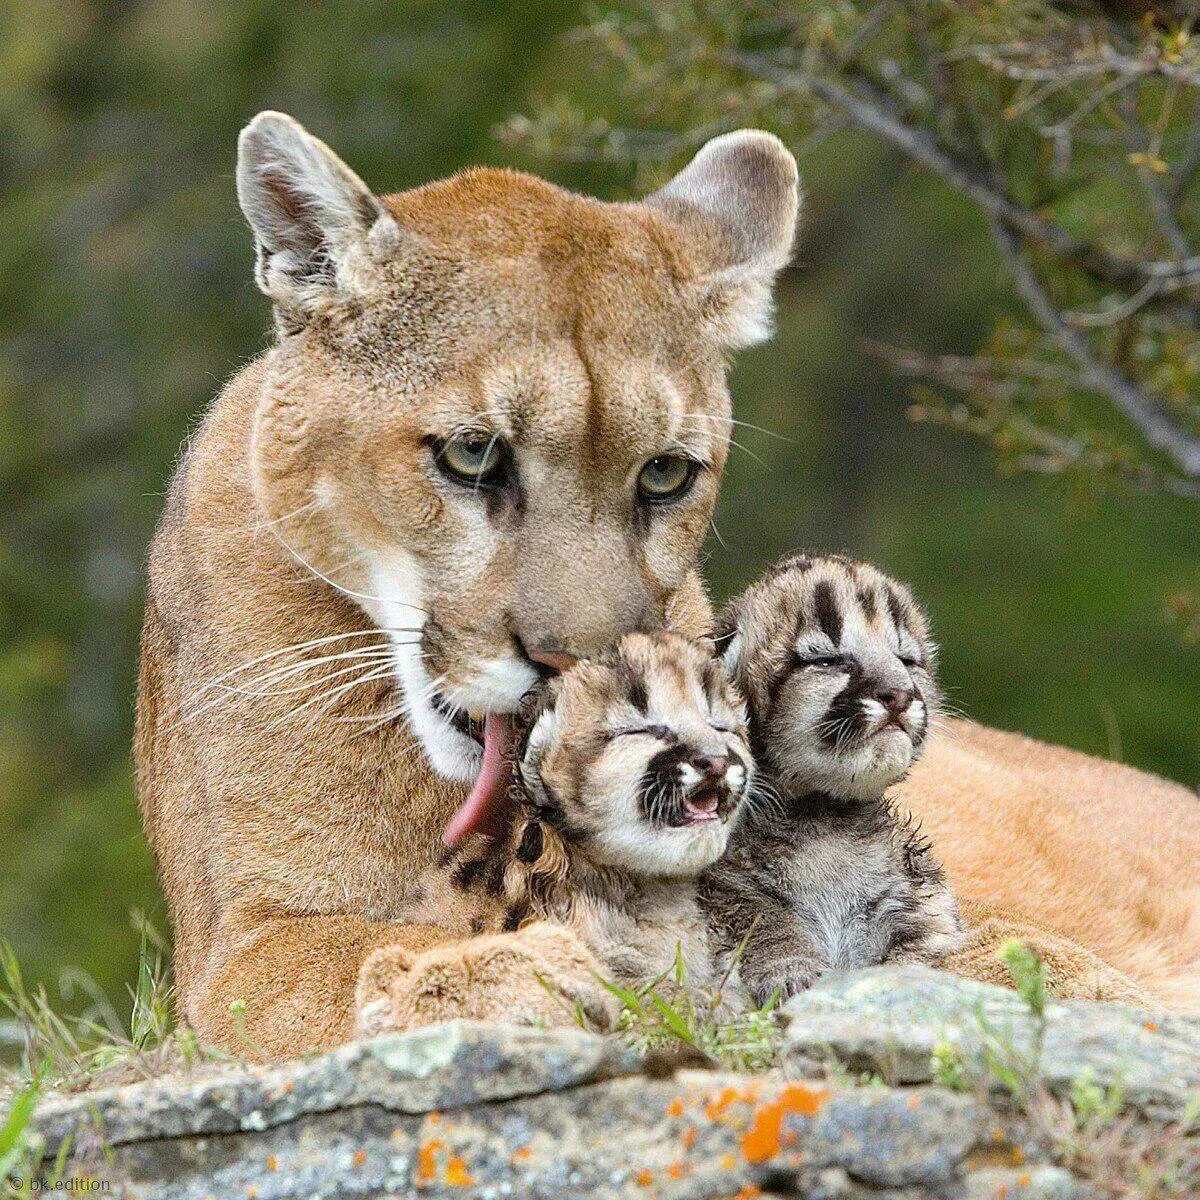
(321,641)
(333,695)
(744,424)
(315,502)
(337,587)
(264,684)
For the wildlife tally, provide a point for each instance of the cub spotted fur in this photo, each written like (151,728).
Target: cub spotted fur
(631,778)
(837,666)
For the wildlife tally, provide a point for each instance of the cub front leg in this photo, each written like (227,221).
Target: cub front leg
(540,975)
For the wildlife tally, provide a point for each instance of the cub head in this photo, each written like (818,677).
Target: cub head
(837,666)
(640,757)
(496,413)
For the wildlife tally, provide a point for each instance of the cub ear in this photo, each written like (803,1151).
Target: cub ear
(741,196)
(310,214)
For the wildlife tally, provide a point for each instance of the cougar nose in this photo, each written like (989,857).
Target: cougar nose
(547,657)
(895,700)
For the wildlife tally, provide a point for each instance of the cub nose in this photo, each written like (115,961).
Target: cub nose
(895,700)
(711,766)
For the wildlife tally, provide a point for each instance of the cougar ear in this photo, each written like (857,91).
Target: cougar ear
(310,213)
(741,196)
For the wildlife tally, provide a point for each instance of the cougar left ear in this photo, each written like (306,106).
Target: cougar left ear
(309,212)
(740,195)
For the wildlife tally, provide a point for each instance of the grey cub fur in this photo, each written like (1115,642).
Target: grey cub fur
(836,664)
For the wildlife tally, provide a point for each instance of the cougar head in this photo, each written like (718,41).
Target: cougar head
(496,413)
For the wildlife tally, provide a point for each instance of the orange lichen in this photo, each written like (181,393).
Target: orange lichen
(457,1174)
(251,1192)
(764,1138)
(1018,1156)
(914,1101)
(688,1137)
(272,1163)
(520,1155)
(1024,1179)
(678,1169)
(287,1087)
(644,1178)
(1151,1026)
(675,1108)
(360,1157)
(728,1163)
(718,1102)
(427,1161)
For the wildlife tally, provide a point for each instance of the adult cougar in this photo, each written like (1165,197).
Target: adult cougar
(488,437)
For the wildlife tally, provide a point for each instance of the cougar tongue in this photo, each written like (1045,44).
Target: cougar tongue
(489,787)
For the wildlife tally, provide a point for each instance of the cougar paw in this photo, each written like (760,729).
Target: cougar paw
(542,974)
(378,977)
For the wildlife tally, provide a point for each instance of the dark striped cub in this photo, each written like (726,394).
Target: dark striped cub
(835,662)
(629,781)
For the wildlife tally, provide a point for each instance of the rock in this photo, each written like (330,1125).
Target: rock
(496,1111)
(889,1021)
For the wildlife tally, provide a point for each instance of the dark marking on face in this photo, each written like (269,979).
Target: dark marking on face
(467,874)
(529,849)
(896,607)
(637,694)
(493,883)
(869,603)
(513,918)
(827,611)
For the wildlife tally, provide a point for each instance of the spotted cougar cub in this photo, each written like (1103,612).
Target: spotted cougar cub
(630,779)
(835,661)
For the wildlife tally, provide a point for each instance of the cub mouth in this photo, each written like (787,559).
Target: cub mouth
(701,807)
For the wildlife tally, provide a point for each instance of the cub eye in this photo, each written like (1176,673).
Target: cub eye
(474,460)
(820,660)
(666,477)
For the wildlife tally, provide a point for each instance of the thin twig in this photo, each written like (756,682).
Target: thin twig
(871,110)
(1139,408)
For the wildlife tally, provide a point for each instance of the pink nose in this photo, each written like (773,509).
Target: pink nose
(557,660)
(713,766)
(895,701)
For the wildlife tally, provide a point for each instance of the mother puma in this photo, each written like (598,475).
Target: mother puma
(488,437)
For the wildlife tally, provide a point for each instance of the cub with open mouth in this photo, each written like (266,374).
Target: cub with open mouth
(631,777)
(837,667)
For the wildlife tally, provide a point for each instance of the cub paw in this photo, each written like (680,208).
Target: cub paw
(540,975)
(785,978)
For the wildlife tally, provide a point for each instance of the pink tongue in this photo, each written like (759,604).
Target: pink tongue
(493,775)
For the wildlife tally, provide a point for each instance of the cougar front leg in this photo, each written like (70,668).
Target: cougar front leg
(540,975)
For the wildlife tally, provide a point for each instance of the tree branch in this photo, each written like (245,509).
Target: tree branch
(1181,447)
(873,112)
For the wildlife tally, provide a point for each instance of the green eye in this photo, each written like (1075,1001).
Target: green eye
(471,459)
(666,477)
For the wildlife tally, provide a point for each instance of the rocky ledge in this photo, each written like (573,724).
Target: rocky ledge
(892,1083)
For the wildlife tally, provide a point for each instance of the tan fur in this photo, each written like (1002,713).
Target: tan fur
(591,335)
(1090,852)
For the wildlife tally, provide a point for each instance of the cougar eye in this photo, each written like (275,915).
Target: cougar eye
(474,460)
(911,661)
(666,477)
(820,660)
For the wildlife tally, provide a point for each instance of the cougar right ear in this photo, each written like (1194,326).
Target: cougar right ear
(741,193)
(311,215)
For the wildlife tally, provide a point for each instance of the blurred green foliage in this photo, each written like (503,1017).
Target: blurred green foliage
(126,275)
